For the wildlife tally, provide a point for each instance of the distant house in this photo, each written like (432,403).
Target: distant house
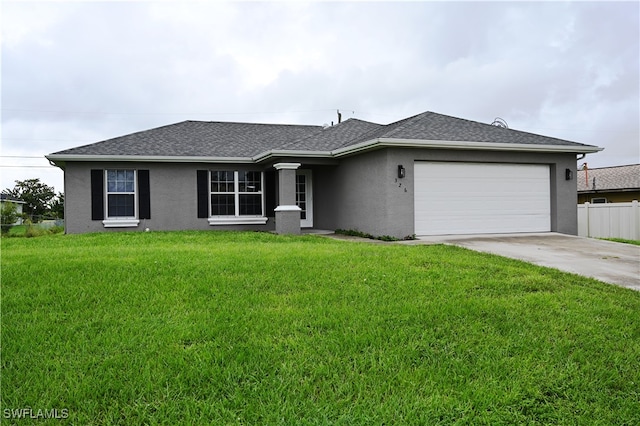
(429,174)
(5,198)
(617,184)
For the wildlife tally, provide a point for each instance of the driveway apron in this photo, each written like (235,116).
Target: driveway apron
(607,261)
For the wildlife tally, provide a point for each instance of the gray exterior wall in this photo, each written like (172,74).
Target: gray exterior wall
(364,193)
(173,197)
(360,192)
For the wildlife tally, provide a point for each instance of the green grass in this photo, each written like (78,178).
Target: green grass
(254,328)
(30,231)
(622,240)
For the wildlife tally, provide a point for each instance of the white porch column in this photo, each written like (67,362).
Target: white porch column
(287,212)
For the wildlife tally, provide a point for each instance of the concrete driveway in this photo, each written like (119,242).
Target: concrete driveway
(614,263)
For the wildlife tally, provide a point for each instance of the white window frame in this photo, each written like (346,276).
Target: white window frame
(236,218)
(599,200)
(120,221)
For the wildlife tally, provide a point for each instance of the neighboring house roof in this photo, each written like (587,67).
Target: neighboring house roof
(616,178)
(11,199)
(224,141)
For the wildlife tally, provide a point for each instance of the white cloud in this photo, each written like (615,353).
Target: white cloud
(75,72)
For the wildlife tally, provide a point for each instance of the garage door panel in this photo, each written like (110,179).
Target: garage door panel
(461,198)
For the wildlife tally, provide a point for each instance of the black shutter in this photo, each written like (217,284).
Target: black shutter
(144,195)
(270,191)
(203,193)
(97,194)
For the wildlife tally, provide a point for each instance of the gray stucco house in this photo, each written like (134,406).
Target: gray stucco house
(428,174)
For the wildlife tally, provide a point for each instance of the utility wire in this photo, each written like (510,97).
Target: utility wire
(28,167)
(167,113)
(22,156)
(47,139)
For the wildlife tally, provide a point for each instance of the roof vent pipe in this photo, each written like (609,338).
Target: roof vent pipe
(499,122)
(339,117)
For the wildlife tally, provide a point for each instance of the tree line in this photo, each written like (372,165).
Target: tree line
(40,200)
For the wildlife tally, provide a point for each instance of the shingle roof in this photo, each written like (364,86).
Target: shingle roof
(225,139)
(199,138)
(438,127)
(609,178)
(332,137)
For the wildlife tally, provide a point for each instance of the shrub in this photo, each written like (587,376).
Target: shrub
(56,229)
(32,230)
(356,233)
(8,216)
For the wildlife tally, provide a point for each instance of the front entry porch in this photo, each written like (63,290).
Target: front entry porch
(294,188)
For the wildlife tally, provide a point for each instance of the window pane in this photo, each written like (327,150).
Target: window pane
(111,175)
(111,180)
(222,181)
(129,181)
(250,205)
(222,205)
(301,195)
(120,181)
(120,205)
(249,181)
(242,181)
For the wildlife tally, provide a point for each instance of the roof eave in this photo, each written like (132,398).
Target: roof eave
(63,158)
(466,145)
(277,153)
(600,190)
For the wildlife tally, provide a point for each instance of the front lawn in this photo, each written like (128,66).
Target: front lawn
(254,328)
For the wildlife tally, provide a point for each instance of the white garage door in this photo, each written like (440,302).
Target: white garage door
(481,198)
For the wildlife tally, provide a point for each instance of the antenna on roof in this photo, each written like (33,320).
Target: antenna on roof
(499,122)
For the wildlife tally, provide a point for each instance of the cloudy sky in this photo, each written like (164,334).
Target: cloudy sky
(74,73)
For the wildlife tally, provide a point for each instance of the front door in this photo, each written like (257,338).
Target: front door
(304,197)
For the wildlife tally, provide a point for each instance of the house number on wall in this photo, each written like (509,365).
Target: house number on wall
(400,185)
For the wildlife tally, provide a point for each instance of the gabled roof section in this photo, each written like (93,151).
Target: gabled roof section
(616,178)
(198,139)
(332,137)
(437,127)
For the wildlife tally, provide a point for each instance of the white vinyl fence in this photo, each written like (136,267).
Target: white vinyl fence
(609,220)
